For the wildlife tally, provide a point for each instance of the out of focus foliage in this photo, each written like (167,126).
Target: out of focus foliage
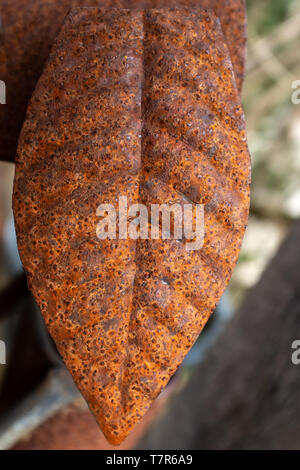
(273,123)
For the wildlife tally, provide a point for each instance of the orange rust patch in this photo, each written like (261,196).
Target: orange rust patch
(142,104)
(30,27)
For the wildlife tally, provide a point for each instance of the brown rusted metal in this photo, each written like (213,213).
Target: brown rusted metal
(140,104)
(29,28)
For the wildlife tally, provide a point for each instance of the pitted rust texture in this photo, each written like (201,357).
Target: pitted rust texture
(232,14)
(141,104)
(30,27)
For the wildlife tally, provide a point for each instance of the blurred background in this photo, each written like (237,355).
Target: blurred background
(44,405)
(273,126)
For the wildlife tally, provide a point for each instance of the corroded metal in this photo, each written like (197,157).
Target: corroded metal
(141,104)
(30,27)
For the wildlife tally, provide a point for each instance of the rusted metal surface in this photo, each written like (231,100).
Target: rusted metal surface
(29,28)
(140,104)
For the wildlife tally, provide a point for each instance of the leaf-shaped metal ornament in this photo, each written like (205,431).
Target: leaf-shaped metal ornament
(29,28)
(139,105)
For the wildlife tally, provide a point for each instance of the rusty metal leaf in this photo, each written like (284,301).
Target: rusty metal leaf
(30,27)
(141,104)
